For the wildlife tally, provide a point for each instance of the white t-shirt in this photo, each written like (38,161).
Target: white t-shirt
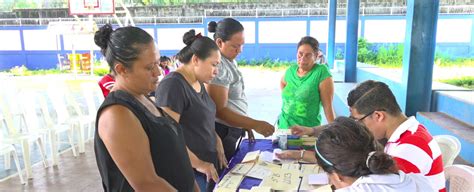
(390,182)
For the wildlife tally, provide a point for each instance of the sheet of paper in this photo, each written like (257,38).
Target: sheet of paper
(242,168)
(230,181)
(282,180)
(256,189)
(305,186)
(251,156)
(259,172)
(273,167)
(291,166)
(318,179)
(266,156)
(308,169)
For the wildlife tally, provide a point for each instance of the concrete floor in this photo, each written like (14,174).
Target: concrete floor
(73,174)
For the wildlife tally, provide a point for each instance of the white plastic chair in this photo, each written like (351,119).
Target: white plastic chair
(88,93)
(22,137)
(62,99)
(7,150)
(30,101)
(450,148)
(460,178)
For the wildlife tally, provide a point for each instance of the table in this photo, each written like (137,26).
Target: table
(246,146)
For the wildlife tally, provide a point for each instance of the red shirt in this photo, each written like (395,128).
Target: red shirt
(415,151)
(106,84)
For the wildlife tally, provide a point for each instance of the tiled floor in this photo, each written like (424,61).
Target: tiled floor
(72,174)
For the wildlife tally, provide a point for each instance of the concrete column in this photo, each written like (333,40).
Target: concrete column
(352,19)
(331,52)
(419,52)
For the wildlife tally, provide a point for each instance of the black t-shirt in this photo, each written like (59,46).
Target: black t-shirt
(197,114)
(167,147)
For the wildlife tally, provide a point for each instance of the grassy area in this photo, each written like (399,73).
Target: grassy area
(466,82)
(274,65)
(391,56)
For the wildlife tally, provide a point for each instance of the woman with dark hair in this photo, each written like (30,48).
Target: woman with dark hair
(306,89)
(165,63)
(182,95)
(138,147)
(227,88)
(355,161)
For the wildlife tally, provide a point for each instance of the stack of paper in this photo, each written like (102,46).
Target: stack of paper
(262,169)
(230,182)
(251,157)
(308,141)
(242,168)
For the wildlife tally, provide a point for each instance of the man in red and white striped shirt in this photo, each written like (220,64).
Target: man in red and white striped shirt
(408,142)
(106,83)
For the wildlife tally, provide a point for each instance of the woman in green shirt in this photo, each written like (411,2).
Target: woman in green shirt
(305,88)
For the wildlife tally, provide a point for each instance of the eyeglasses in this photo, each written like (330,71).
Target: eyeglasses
(365,116)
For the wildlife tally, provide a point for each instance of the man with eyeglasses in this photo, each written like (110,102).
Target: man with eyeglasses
(373,104)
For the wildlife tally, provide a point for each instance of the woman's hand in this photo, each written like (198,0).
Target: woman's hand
(221,154)
(264,128)
(289,154)
(251,137)
(209,170)
(301,130)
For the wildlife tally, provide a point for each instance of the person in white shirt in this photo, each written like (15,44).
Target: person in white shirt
(355,161)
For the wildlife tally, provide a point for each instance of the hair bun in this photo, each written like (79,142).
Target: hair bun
(380,163)
(102,36)
(189,37)
(211,26)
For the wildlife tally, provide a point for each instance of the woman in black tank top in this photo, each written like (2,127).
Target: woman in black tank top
(138,147)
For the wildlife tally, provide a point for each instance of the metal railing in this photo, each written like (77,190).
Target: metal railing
(303,12)
(399,10)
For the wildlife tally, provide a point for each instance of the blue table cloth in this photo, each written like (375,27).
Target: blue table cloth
(246,146)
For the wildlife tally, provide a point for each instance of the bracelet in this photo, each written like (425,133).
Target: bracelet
(302,154)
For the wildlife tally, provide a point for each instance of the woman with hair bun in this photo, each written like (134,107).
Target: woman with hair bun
(138,147)
(227,88)
(182,95)
(355,161)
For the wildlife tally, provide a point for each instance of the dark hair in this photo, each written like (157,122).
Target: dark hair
(311,41)
(164,58)
(225,28)
(347,144)
(122,44)
(373,95)
(196,45)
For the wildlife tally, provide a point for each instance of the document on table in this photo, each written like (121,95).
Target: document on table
(251,156)
(318,179)
(315,182)
(242,168)
(262,169)
(282,180)
(230,182)
(291,166)
(308,169)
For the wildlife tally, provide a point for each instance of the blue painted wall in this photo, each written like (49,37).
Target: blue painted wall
(257,50)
